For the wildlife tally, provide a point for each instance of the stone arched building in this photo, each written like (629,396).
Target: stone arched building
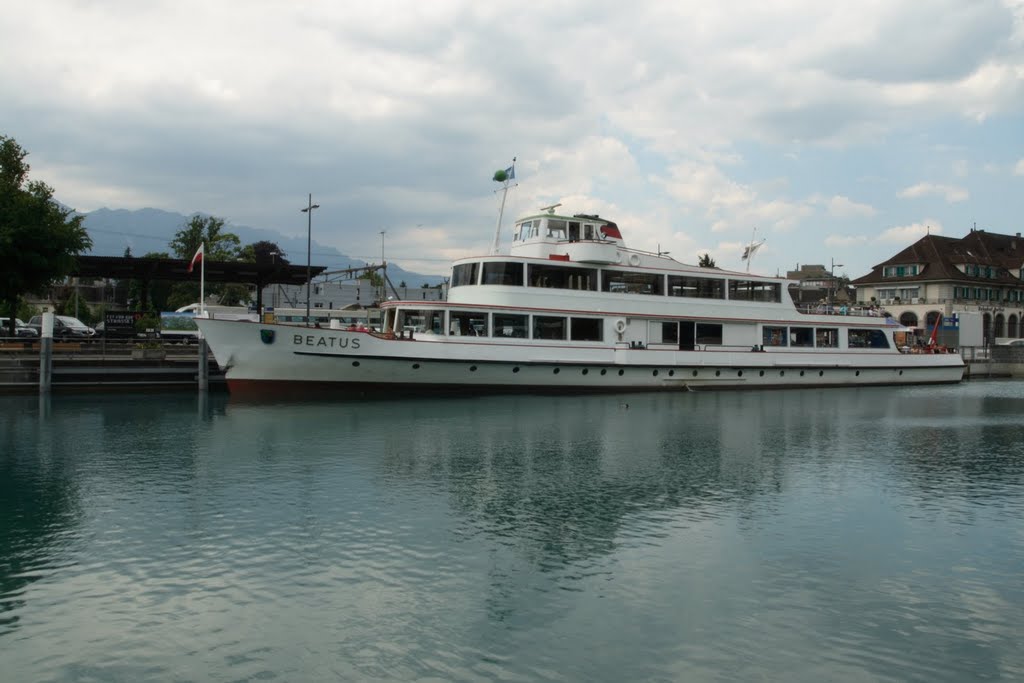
(982,272)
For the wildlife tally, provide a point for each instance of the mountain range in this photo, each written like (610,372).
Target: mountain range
(151,230)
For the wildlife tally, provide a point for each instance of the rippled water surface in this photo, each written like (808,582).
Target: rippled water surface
(846,535)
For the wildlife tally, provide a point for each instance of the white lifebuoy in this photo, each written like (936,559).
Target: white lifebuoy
(618,257)
(634,260)
(620,325)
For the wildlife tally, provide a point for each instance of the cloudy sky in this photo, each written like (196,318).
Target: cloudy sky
(839,131)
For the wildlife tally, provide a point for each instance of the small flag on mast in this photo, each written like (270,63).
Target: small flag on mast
(198,257)
(749,250)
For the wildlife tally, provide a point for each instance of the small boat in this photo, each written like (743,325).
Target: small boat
(571,308)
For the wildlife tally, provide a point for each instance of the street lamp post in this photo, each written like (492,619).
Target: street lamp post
(832,283)
(309,242)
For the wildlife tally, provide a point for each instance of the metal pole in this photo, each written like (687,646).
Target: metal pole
(309,242)
(46,354)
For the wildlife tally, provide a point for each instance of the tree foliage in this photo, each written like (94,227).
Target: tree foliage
(39,239)
(263,252)
(705,261)
(220,245)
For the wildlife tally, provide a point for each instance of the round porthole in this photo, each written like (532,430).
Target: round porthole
(801,373)
(857,374)
(901,372)
(603,371)
(415,366)
(671,373)
(655,373)
(472,368)
(821,373)
(355,364)
(761,374)
(782,373)
(585,371)
(718,373)
(556,371)
(739,373)
(694,373)
(515,369)
(621,373)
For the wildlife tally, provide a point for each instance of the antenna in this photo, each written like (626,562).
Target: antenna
(551,209)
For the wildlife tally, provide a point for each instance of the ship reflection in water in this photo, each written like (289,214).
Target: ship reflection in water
(806,535)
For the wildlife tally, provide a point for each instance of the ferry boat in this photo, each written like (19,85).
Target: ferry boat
(571,308)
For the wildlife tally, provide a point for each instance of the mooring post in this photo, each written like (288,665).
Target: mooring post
(46,354)
(204,366)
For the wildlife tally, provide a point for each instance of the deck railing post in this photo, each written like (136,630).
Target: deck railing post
(204,366)
(46,354)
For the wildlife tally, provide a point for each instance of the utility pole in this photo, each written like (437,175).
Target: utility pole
(309,242)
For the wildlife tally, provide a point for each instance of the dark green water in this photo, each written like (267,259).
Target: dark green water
(839,535)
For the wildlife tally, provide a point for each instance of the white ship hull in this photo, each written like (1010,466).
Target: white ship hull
(269,358)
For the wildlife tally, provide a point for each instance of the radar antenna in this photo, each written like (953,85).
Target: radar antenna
(551,209)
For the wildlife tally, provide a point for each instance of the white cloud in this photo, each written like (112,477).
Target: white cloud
(1019,168)
(951,193)
(907,234)
(846,240)
(844,207)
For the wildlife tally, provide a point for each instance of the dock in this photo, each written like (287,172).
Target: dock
(97,365)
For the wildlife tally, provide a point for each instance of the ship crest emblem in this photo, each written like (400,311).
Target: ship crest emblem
(267,336)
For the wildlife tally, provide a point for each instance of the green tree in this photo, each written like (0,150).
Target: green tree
(263,252)
(705,261)
(39,240)
(209,230)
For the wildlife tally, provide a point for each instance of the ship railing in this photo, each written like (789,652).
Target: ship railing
(840,309)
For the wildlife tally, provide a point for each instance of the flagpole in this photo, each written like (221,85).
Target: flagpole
(507,176)
(202,281)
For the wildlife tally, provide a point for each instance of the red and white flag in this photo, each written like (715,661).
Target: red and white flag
(197,258)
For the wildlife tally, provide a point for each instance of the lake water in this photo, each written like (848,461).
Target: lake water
(839,535)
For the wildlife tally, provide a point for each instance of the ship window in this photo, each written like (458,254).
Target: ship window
(502,273)
(867,339)
(556,229)
(574,231)
(588,232)
(632,282)
(585,329)
(467,324)
(755,290)
(774,336)
(509,325)
(562,277)
(424,321)
(826,338)
(464,274)
(801,336)
(709,333)
(670,333)
(697,287)
(549,327)
(522,231)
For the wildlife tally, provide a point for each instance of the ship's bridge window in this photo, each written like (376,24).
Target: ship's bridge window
(755,290)
(556,229)
(632,282)
(588,232)
(562,277)
(464,274)
(510,325)
(697,287)
(502,273)
(866,339)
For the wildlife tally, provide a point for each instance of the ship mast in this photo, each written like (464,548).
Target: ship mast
(505,177)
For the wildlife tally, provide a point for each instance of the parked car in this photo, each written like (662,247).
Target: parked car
(64,327)
(1012,342)
(20,328)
